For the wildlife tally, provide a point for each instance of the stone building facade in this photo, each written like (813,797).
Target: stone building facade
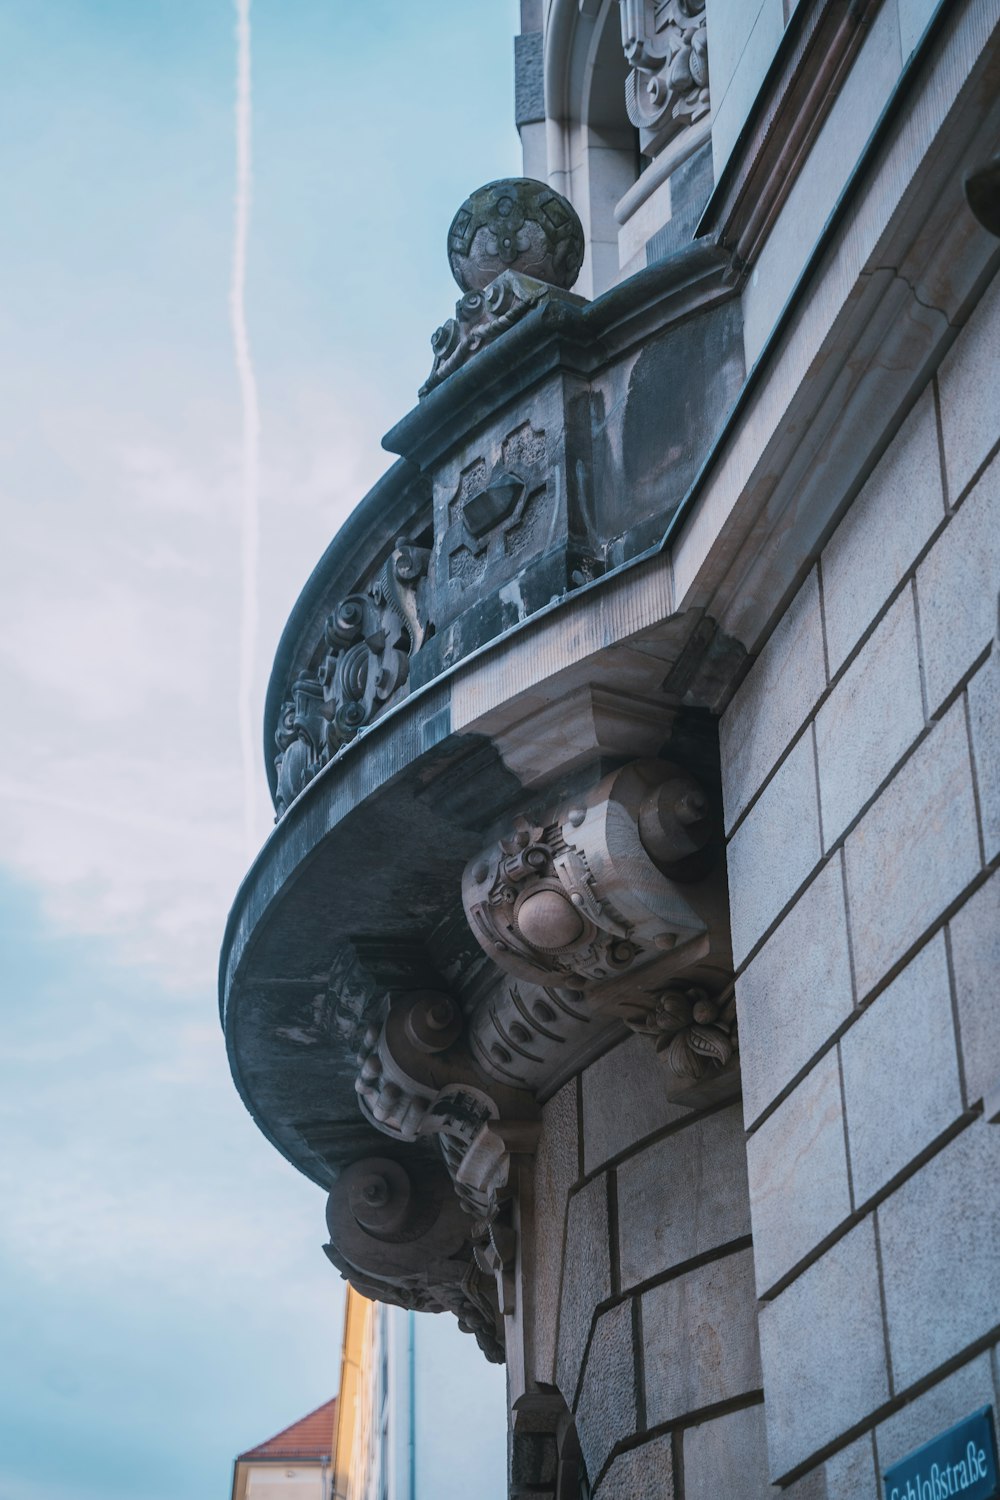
(623,963)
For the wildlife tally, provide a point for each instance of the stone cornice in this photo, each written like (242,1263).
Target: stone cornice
(569,335)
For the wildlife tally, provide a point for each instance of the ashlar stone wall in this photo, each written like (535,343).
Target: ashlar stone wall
(862,795)
(644,1287)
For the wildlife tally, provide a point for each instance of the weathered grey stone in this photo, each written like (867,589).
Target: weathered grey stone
(727,1457)
(529,85)
(822,1351)
(873,715)
(607,1409)
(970,397)
(586,1278)
(851,1474)
(515,224)
(775,699)
(913,851)
(624,1100)
(795,993)
(957,589)
(774,848)
(901,1084)
(556,1169)
(811,1486)
(984,716)
(941,1254)
(937,1409)
(797,1163)
(646,1472)
(729,28)
(887,526)
(683,1196)
(699,1335)
(848,1475)
(534,1459)
(975,950)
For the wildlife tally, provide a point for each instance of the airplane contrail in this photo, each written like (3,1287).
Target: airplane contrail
(250,477)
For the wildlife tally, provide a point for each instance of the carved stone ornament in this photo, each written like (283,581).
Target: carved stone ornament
(480,317)
(696,1033)
(368,642)
(495,510)
(399,1235)
(510,246)
(666,46)
(590,913)
(429,1235)
(515,224)
(585,899)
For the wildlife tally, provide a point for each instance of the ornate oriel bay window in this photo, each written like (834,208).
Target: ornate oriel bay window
(630,750)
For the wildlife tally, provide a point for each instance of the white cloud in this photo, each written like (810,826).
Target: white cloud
(120,797)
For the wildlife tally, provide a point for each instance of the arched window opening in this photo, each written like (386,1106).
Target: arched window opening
(627,102)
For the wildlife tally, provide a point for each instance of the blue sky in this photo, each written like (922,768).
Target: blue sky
(163,1298)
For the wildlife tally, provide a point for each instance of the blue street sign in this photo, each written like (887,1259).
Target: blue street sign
(960,1463)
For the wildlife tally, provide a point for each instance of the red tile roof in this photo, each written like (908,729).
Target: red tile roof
(310,1437)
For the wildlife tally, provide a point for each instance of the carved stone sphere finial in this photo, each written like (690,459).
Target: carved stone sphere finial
(515,224)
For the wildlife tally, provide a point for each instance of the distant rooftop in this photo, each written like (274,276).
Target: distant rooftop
(310,1437)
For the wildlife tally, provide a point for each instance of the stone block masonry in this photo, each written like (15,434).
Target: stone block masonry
(658,1356)
(865,918)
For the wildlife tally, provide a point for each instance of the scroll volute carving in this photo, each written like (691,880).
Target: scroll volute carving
(399,1235)
(367,644)
(416,1079)
(601,904)
(418,1084)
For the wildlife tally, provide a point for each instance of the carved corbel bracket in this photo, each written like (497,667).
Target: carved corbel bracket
(399,1235)
(390,1231)
(594,891)
(593,909)
(481,316)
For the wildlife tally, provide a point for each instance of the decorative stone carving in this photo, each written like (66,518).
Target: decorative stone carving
(515,224)
(584,899)
(493,512)
(594,911)
(526,1034)
(696,1033)
(399,1235)
(417,1084)
(410,1082)
(369,639)
(666,46)
(584,912)
(480,317)
(512,244)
